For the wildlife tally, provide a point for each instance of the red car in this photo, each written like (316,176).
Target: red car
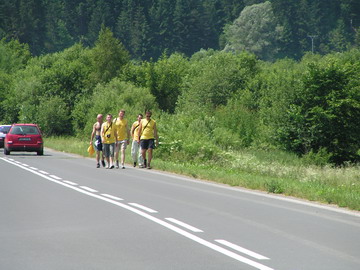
(24,138)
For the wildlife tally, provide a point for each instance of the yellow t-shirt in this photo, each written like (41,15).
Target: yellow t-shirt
(108,129)
(147,129)
(135,128)
(121,129)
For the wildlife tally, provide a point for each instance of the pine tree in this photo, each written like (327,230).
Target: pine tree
(109,56)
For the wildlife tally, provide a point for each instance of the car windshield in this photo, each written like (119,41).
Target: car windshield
(24,130)
(4,129)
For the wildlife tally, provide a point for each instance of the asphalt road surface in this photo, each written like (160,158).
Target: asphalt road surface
(58,211)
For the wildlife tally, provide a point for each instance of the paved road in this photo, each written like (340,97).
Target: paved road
(58,211)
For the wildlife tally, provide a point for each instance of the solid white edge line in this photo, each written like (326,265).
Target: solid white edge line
(112,197)
(242,250)
(156,220)
(88,189)
(183,224)
(147,209)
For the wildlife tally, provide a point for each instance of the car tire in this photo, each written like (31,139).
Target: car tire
(40,153)
(6,152)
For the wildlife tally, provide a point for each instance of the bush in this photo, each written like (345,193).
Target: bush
(324,113)
(213,80)
(319,158)
(53,116)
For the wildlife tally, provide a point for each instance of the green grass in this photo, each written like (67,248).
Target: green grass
(271,171)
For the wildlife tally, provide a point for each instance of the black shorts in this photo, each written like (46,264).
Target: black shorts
(146,144)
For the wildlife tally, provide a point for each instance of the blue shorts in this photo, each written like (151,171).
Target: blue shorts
(146,144)
(98,143)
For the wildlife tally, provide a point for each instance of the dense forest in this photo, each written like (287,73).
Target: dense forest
(147,29)
(213,72)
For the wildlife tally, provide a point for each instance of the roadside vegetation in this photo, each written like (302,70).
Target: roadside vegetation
(272,171)
(286,127)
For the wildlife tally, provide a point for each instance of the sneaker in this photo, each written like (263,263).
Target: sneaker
(98,165)
(123,167)
(149,168)
(145,163)
(103,163)
(134,164)
(117,164)
(111,167)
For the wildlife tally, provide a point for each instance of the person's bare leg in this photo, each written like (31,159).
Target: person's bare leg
(143,153)
(97,156)
(123,157)
(150,152)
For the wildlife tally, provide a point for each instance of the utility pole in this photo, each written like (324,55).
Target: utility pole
(312,42)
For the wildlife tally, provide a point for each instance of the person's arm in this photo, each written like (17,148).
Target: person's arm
(116,135)
(139,132)
(92,134)
(132,132)
(102,133)
(128,133)
(156,135)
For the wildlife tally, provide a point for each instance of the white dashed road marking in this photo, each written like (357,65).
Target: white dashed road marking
(242,250)
(182,224)
(90,192)
(55,177)
(70,183)
(112,197)
(147,209)
(89,189)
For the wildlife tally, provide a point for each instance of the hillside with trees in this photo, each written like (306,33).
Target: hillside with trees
(271,29)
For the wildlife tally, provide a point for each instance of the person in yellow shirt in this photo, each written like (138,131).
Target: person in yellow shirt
(123,135)
(147,136)
(108,137)
(135,153)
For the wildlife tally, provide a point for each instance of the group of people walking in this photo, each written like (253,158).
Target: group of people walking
(113,136)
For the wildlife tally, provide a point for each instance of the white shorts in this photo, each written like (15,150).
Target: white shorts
(121,145)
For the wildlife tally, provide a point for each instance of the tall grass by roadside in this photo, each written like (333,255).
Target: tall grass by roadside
(272,171)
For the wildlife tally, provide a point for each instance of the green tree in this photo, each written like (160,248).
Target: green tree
(213,80)
(57,34)
(163,78)
(115,95)
(139,34)
(53,116)
(325,112)
(14,57)
(100,13)
(255,31)
(339,40)
(108,56)
(163,26)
